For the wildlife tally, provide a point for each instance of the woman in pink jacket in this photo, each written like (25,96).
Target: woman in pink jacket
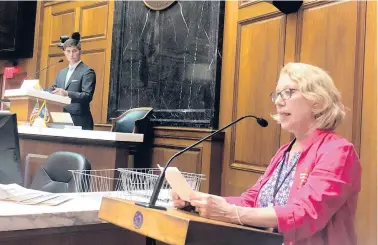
(310,188)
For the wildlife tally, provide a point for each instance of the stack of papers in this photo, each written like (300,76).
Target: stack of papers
(18,194)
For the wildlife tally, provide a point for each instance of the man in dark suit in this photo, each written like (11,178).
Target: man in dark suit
(78,81)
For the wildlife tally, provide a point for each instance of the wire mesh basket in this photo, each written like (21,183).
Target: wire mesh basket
(140,183)
(128,183)
(105,182)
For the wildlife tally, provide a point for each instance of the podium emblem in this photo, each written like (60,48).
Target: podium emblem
(138,220)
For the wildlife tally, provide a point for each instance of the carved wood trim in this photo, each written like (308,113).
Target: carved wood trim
(248,3)
(359,75)
(98,36)
(359,64)
(248,167)
(238,164)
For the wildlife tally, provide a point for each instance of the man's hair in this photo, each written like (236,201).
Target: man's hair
(72,43)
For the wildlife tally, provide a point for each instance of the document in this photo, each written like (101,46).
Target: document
(19,194)
(178,183)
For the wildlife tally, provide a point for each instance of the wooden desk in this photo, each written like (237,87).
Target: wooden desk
(181,228)
(104,150)
(74,222)
(97,234)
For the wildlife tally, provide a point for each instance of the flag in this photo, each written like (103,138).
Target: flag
(37,87)
(44,113)
(34,113)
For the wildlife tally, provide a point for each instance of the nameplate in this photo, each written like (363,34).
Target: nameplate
(61,117)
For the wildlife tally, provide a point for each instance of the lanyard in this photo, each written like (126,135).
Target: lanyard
(283,161)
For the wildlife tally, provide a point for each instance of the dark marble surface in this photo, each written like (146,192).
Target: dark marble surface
(169,60)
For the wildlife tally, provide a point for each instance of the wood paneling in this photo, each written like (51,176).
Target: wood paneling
(101,154)
(205,158)
(94,20)
(62,23)
(254,43)
(97,60)
(252,84)
(180,227)
(53,70)
(162,153)
(337,50)
(73,235)
(33,163)
(337,36)
(89,15)
(366,222)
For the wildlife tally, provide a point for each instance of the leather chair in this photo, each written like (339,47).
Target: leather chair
(54,176)
(137,120)
(132,121)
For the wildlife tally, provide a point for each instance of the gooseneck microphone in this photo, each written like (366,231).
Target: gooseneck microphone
(152,203)
(59,61)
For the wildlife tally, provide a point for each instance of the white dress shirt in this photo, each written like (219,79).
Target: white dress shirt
(71,69)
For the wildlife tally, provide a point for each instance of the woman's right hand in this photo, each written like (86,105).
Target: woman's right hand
(177,201)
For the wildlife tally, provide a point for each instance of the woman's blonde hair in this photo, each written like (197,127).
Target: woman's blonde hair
(316,85)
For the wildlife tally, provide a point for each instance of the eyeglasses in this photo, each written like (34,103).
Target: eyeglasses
(285,94)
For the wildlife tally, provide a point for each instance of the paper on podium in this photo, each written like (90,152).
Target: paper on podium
(4,194)
(31,84)
(61,117)
(178,183)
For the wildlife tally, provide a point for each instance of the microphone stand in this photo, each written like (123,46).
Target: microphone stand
(60,61)
(152,203)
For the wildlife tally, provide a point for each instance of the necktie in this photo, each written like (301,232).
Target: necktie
(69,73)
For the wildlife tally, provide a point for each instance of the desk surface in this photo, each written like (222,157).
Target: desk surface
(81,134)
(82,209)
(12,94)
(77,211)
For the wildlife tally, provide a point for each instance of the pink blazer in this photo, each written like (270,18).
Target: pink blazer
(322,203)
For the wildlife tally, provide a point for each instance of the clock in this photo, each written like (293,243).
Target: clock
(158,5)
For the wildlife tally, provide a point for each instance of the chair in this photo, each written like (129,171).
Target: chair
(132,121)
(53,176)
(137,120)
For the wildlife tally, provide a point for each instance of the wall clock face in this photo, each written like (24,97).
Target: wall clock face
(158,5)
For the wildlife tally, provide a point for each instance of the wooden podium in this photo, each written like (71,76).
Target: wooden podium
(22,102)
(178,227)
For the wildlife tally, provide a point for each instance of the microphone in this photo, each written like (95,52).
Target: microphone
(152,203)
(59,61)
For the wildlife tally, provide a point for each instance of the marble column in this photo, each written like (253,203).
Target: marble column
(169,60)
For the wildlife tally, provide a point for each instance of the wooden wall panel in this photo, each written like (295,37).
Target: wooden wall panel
(94,14)
(62,23)
(252,86)
(96,60)
(337,50)
(94,20)
(189,162)
(73,235)
(53,70)
(366,222)
(337,36)
(253,54)
(205,158)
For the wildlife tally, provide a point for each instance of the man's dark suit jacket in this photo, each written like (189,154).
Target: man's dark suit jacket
(80,88)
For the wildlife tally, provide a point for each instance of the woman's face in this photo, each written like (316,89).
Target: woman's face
(294,110)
